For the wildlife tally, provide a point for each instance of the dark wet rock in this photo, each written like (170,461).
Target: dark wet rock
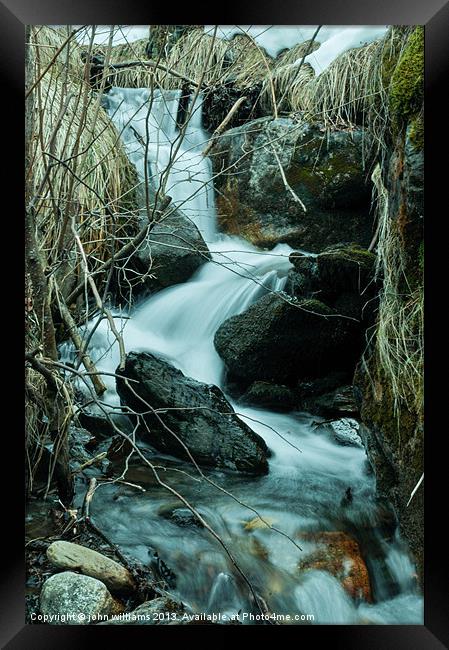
(270,396)
(73,599)
(84,454)
(303,279)
(96,423)
(305,264)
(165,577)
(337,402)
(346,268)
(346,281)
(81,454)
(80,440)
(69,556)
(199,415)
(181,517)
(325,170)
(170,254)
(297,285)
(314,388)
(277,340)
(159,611)
(118,449)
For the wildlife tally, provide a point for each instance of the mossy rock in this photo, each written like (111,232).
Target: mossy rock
(416,132)
(345,268)
(279,341)
(406,91)
(394,442)
(324,169)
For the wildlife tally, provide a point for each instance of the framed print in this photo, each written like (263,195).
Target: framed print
(224,267)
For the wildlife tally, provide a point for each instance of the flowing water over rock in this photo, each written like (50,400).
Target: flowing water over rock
(309,471)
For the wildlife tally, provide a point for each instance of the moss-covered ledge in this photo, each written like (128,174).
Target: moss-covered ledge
(406,89)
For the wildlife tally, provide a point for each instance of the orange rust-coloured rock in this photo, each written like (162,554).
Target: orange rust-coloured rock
(340,555)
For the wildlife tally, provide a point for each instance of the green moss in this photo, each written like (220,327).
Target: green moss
(316,306)
(416,132)
(352,253)
(320,174)
(406,90)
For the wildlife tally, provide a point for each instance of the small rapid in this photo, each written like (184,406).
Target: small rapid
(308,471)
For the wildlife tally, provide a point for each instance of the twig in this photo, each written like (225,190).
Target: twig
(66,316)
(415,489)
(47,374)
(88,498)
(98,299)
(221,127)
(155,64)
(58,52)
(286,183)
(90,462)
(125,251)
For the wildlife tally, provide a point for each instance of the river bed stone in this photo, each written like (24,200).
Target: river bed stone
(66,555)
(75,599)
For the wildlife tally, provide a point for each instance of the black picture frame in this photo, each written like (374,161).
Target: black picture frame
(434,14)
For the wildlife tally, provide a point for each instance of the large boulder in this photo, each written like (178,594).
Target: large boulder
(325,171)
(342,276)
(198,416)
(74,599)
(66,555)
(279,340)
(171,252)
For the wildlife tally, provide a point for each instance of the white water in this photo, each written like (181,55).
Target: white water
(304,487)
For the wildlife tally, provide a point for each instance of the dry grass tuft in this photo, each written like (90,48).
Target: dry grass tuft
(288,79)
(95,183)
(240,61)
(195,52)
(354,89)
(400,325)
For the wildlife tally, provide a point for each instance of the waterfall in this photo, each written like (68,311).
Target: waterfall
(148,121)
(309,471)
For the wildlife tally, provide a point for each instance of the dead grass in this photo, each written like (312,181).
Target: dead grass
(400,324)
(289,79)
(95,185)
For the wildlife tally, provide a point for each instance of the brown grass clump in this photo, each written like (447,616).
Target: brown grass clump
(400,323)
(288,79)
(79,169)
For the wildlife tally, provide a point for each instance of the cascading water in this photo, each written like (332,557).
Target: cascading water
(309,471)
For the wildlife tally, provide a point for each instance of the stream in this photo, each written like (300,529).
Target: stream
(308,470)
